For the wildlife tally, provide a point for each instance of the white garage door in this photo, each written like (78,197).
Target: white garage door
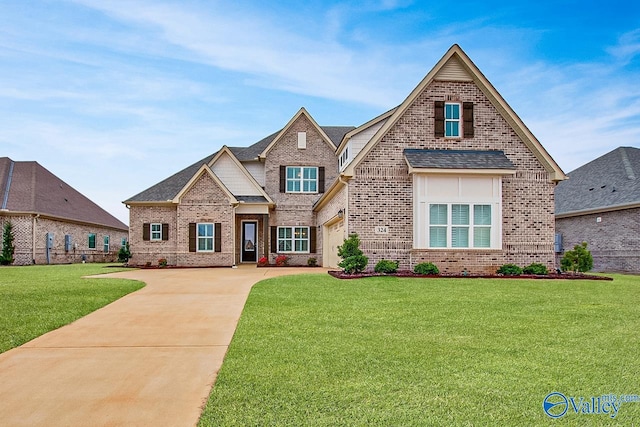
(335,238)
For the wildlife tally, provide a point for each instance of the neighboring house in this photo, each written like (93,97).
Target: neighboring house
(450,176)
(600,205)
(52,222)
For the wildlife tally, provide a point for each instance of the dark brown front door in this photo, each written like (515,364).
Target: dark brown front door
(249,249)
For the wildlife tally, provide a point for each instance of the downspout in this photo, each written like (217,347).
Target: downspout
(33,238)
(233,234)
(5,199)
(346,205)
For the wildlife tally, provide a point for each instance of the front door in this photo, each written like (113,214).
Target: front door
(249,242)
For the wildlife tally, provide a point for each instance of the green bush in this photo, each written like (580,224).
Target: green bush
(426,268)
(386,266)
(510,270)
(353,261)
(577,260)
(312,262)
(535,268)
(124,253)
(6,257)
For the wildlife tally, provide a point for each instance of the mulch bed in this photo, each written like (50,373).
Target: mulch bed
(565,276)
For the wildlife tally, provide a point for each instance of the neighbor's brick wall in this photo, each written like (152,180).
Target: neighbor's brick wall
(614,242)
(23,241)
(381,191)
(151,251)
(297,209)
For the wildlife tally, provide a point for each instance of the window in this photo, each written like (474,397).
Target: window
(105,247)
(123,241)
(450,226)
(92,241)
(302,179)
(293,239)
(451,120)
(156,231)
(205,238)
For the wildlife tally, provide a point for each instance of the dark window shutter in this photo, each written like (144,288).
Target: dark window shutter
(467,119)
(283,179)
(321,179)
(274,239)
(165,231)
(312,240)
(146,230)
(438,124)
(192,237)
(217,237)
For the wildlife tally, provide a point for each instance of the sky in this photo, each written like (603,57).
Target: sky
(114,96)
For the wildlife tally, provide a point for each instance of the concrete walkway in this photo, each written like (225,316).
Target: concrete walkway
(148,359)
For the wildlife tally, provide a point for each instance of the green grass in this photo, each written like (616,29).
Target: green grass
(37,299)
(313,350)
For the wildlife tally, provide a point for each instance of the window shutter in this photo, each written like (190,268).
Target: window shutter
(321,179)
(165,231)
(283,179)
(438,124)
(146,230)
(274,239)
(218,237)
(192,237)
(467,119)
(312,240)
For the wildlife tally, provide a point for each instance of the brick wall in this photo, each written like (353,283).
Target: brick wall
(296,209)
(614,241)
(23,233)
(151,251)
(381,191)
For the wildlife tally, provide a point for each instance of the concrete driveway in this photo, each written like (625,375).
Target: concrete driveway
(148,359)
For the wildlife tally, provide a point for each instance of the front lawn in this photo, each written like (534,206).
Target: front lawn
(314,350)
(37,299)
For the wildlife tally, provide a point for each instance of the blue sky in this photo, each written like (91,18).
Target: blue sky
(114,96)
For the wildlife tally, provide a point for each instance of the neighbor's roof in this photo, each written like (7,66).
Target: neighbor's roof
(29,187)
(167,189)
(457,159)
(609,182)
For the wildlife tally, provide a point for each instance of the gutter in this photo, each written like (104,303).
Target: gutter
(598,210)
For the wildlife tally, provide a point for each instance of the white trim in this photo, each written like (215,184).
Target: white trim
(151,232)
(301,180)
(212,237)
(293,239)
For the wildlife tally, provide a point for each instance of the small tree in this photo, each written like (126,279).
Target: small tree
(124,253)
(8,248)
(353,261)
(577,260)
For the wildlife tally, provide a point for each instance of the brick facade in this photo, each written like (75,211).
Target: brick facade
(614,240)
(28,229)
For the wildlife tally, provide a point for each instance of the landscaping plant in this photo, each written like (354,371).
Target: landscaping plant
(535,268)
(510,270)
(124,253)
(353,261)
(426,268)
(386,267)
(577,260)
(282,260)
(8,249)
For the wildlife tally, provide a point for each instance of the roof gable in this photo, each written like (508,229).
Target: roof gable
(457,65)
(235,176)
(204,170)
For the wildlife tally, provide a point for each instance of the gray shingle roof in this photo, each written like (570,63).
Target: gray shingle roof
(29,187)
(457,159)
(608,181)
(252,199)
(167,189)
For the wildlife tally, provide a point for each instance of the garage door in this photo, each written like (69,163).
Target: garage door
(335,238)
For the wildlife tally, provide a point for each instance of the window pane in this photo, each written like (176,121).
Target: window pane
(460,237)
(284,232)
(460,214)
(284,246)
(438,214)
(302,233)
(452,111)
(92,241)
(482,214)
(302,245)
(438,237)
(293,173)
(310,173)
(452,129)
(205,244)
(482,237)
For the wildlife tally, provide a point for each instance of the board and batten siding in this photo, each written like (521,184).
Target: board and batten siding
(256,169)
(453,71)
(358,141)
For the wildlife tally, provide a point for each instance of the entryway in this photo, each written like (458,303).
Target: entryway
(249,250)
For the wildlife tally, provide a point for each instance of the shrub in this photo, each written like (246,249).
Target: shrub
(386,266)
(124,253)
(535,268)
(162,262)
(6,257)
(263,262)
(510,270)
(577,260)
(282,260)
(426,268)
(353,261)
(312,262)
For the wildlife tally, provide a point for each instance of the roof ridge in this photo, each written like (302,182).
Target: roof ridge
(627,164)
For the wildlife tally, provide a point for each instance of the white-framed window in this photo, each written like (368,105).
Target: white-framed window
(205,237)
(455,225)
(452,119)
(302,179)
(344,157)
(92,241)
(156,231)
(293,239)
(106,244)
(123,241)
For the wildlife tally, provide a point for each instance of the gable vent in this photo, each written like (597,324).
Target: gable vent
(453,71)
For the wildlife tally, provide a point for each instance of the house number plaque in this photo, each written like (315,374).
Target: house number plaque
(381,229)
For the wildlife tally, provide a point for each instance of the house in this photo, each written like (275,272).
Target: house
(600,205)
(450,176)
(52,222)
